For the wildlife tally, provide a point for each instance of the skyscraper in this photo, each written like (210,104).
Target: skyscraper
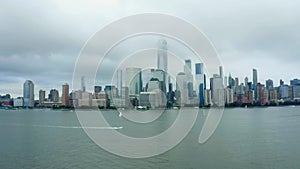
(269,84)
(53,95)
(221,71)
(189,76)
(254,76)
(162,55)
(217,89)
(200,82)
(28,93)
(119,82)
(162,58)
(42,94)
(65,94)
(246,80)
(188,66)
(83,88)
(236,80)
(181,88)
(134,80)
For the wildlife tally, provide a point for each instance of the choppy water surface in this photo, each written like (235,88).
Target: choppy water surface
(245,138)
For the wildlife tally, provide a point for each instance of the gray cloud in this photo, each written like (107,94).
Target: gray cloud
(40,40)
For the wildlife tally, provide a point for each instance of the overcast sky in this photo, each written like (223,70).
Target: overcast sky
(40,40)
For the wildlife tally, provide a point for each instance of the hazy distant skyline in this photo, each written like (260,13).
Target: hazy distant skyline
(40,40)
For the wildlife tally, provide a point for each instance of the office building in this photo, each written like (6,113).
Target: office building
(269,84)
(18,102)
(217,90)
(65,94)
(119,82)
(97,89)
(134,80)
(254,76)
(181,88)
(83,87)
(284,92)
(53,95)
(162,58)
(28,93)
(295,82)
(42,96)
(200,80)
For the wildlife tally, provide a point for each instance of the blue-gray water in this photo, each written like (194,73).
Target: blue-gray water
(245,138)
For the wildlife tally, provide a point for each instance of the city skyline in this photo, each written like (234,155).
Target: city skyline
(191,89)
(198,70)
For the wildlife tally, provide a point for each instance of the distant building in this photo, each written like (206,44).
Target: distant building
(42,96)
(162,58)
(102,103)
(296,92)
(295,82)
(217,89)
(53,95)
(181,88)
(18,102)
(97,89)
(119,82)
(262,94)
(85,100)
(207,97)
(150,99)
(284,92)
(221,72)
(134,80)
(246,81)
(65,95)
(254,76)
(189,78)
(269,84)
(125,96)
(200,80)
(228,95)
(83,87)
(111,91)
(273,96)
(28,93)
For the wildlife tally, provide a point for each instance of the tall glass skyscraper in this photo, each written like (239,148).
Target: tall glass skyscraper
(134,80)
(217,89)
(162,58)
(269,84)
(119,82)
(162,55)
(255,83)
(83,88)
(200,82)
(189,76)
(188,66)
(28,93)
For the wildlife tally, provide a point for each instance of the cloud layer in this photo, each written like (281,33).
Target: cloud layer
(40,40)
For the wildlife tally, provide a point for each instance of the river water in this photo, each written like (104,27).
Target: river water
(245,138)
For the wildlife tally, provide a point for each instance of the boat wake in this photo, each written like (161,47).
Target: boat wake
(70,127)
